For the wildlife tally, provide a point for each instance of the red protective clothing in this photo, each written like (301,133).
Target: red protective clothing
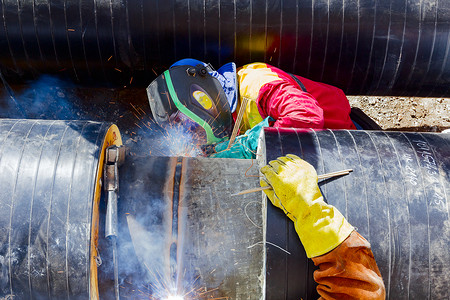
(278,95)
(349,272)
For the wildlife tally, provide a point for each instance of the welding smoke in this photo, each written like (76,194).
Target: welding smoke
(149,248)
(10,100)
(53,98)
(44,98)
(141,247)
(145,230)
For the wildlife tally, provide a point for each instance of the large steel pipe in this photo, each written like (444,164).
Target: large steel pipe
(182,233)
(50,173)
(397,197)
(365,47)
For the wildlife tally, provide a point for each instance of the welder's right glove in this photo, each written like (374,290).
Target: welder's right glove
(321,227)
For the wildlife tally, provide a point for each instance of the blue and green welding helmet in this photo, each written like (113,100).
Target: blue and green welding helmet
(190,95)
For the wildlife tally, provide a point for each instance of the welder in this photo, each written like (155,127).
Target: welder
(190,92)
(203,99)
(346,265)
(187,93)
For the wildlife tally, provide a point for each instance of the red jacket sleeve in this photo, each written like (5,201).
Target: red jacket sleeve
(349,272)
(289,106)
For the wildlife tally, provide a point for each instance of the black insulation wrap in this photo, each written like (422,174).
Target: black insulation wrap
(48,174)
(397,197)
(380,47)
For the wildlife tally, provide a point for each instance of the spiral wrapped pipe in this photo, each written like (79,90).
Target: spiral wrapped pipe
(50,173)
(396,197)
(385,47)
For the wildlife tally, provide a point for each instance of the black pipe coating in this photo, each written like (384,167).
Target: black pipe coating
(397,197)
(48,174)
(380,47)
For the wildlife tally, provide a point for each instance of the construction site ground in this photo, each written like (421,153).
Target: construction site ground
(406,113)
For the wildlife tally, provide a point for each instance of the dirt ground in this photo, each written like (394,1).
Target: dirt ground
(406,113)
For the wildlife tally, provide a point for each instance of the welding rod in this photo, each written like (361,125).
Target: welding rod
(323,176)
(237,123)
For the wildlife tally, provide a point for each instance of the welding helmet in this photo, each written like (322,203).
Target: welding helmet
(190,95)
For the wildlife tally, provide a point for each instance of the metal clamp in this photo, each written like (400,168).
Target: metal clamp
(115,156)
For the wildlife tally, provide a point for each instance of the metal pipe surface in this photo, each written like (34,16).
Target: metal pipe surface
(396,197)
(380,47)
(49,203)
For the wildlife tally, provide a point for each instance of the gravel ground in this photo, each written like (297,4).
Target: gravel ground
(406,113)
(44,99)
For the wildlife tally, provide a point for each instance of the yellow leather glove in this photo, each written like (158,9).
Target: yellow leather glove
(321,227)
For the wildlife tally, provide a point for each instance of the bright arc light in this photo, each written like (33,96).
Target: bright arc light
(174,297)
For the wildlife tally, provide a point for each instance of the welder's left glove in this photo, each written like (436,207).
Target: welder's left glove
(321,227)
(244,145)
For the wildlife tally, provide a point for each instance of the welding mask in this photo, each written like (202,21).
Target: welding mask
(191,96)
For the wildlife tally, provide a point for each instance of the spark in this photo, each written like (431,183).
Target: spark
(134,107)
(206,291)
(160,287)
(141,110)
(174,297)
(135,115)
(171,139)
(246,171)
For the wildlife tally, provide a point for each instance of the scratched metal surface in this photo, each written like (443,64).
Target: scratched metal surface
(223,234)
(189,230)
